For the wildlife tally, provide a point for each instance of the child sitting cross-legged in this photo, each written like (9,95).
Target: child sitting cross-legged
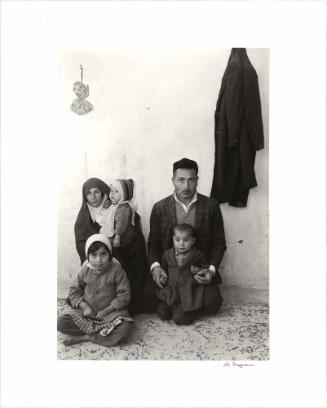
(181,297)
(98,298)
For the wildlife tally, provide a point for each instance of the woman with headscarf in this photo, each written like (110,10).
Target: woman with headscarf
(95,202)
(101,214)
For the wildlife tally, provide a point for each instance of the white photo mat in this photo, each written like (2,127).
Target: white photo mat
(32,36)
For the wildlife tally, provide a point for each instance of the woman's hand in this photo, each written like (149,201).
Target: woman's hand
(107,202)
(203,277)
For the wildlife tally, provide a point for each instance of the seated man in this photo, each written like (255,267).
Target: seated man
(185,205)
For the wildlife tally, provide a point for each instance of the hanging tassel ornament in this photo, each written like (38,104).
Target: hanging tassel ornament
(81,90)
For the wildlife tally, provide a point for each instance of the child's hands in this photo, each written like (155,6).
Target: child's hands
(194,269)
(101,314)
(87,310)
(116,242)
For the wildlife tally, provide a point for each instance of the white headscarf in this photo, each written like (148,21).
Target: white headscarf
(103,216)
(113,208)
(97,238)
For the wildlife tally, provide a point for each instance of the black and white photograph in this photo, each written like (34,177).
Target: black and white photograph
(171,182)
(163,204)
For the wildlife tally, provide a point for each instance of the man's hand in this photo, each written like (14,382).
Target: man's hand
(163,280)
(204,276)
(157,273)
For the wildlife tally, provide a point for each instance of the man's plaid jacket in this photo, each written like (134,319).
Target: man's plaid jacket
(209,227)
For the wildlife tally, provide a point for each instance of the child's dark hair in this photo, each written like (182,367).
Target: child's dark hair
(185,228)
(96,246)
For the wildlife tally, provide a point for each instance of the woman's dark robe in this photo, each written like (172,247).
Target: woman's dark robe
(132,257)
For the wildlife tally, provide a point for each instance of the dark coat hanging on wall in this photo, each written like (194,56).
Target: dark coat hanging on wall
(238,131)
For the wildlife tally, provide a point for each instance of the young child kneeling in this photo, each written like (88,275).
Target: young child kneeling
(181,297)
(98,298)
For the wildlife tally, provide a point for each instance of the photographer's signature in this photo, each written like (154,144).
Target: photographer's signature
(234,364)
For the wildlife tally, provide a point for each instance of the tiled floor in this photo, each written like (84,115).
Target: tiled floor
(240,331)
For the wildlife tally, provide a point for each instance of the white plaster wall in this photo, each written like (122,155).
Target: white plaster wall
(151,109)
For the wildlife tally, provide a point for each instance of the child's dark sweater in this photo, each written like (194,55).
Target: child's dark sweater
(181,286)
